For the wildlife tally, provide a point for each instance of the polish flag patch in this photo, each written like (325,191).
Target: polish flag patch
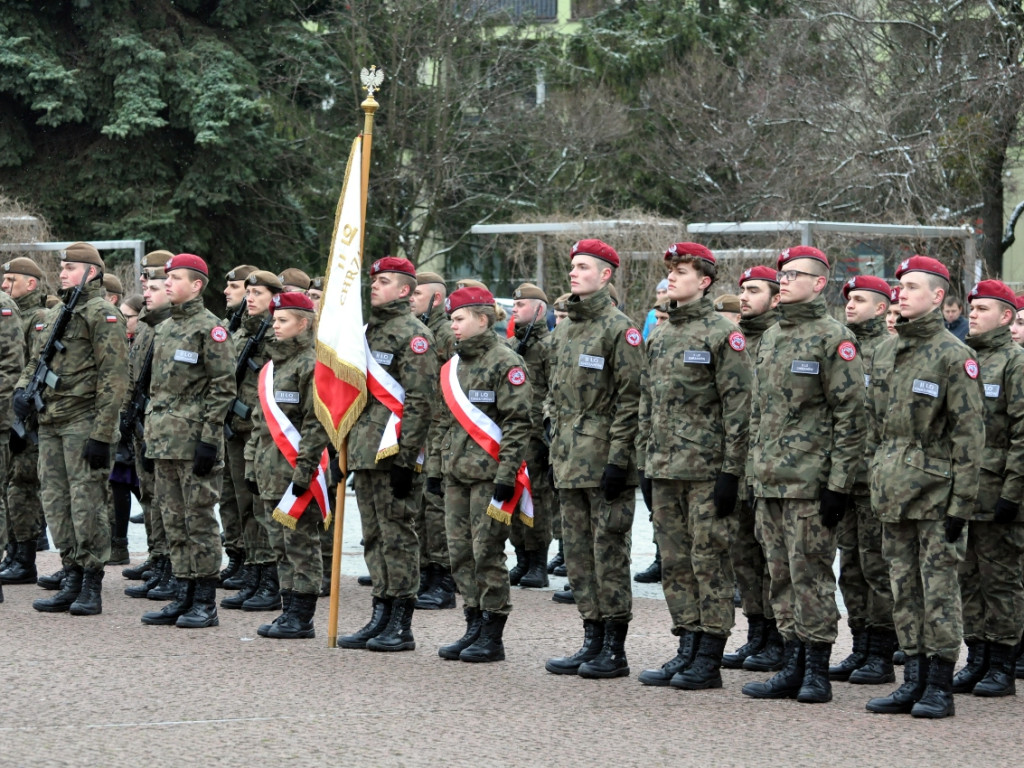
(419,345)
(6,312)
(40,326)
(219,333)
(111,318)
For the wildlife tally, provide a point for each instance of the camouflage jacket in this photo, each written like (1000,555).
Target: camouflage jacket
(595,392)
(145,332)
(753,329)
(493,379)
(807,423)
(249,389)
(441,327)
(402,345)
(13,360)
(931,421)
(93,369)
(1002,459)
(193,383)
(536,352)
(869,335)
(694,397)
(294,360)
(32,307)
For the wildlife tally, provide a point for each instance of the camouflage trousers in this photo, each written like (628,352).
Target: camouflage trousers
(545,510)
(193,535)
(991,588)
(6,529)
(800,551)
(430,528)
(476,542)
(596,538)
(300,566)
(390,545)
(73,495)
(926,595)
(696,566)
(245,526)
(749,565)
(863,572)
(152,515)
(24,509)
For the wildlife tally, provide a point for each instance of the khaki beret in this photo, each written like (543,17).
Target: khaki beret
(24,266)
(295,277)
(468,282)
(613,293)
(428,277)
(52,301)
(529,291)
(111,284)
(241,272)
(82,253)
(156,259)
(317,283)
(266,279)
(727,302)
(562,302)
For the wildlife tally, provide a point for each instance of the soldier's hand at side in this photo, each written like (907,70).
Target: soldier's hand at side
(503,492)
(833,507)
(647,490)
(613,482)
(401,481)
(15,443)
(727,490)
(298,490)
(1006,511)
(204,459)
(21,404)
(434,486)
(751,498)
(954,528)
(253,487)
(96,454)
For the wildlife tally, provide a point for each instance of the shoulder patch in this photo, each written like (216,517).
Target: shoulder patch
(971,366)
(6,312)
(737,341)
(847,350)
(219,333)
(419,345)
(40,326)
(516,376)
(633,337)
(111,318)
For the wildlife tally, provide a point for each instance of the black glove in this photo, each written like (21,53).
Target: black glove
(96,454)
(503,492)
(727,489)
(751,499)
(253,487)
(1006,511)
(298,490)
(833,507)
(613,482)
(205,458)
(954,528)
(21,404)
(646,490)
(401,481)
(15,443)
(434,486)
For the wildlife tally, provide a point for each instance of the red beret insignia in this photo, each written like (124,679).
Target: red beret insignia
(971,366)
(633,337)
(847,351)
(419,345)
(219,333)
(516,376)
(737,341)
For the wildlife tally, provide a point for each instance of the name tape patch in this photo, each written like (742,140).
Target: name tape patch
(923,387)
(383,358)
(284,396)
(481,396)
(186,356)
(592,361)
(697,357)
(807,367)
(992,390)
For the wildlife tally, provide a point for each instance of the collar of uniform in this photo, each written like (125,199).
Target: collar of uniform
(190,307)
(153,318)
(477,345)
(539,331)
(280,351)
(252,323)
(93,289)
(29,301)
(997,337)
(584,309)
(691,310)
(869,329)
(759,323)
(794,314)
(928,325)
(383,313)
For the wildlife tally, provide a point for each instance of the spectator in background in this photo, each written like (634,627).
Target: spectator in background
(662,293)
(953,312)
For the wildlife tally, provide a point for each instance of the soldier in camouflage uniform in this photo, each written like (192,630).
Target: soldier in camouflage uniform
(11,364)
(691,450)
(193,385)
(556,565)
(77,428)
(25,523)
(991,574)
(762,652)
(595,394)
(863,572)
(807,432)
(488,401)
(384,452)
(294,534)
(927,401)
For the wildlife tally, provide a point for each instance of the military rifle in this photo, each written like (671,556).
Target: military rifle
(244,365)
(235,321)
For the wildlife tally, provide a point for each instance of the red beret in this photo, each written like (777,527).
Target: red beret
(993,289)
(866,283)
(802,252)
(393,264)
(291,300)
(922,264)
(187,261)
(1020,302)
(690,249)
(759,273)
(894,294)
(468,297)
(597,249)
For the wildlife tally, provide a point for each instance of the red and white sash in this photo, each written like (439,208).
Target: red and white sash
(286,438)
(391,395)
(487,434)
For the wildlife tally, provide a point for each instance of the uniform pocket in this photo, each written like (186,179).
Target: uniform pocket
(619,516)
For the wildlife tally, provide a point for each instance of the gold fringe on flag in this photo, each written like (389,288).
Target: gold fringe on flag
(285,519)
(499,514)
(351,376)
(525,519)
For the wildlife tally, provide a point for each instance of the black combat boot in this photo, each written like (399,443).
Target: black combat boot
(536,576)
(297,622)
(160,564)
(397,635)
(70,588)
(565,596)
(786,683)
(364,581)
(975,668)
(516,572)
(441,593)
(186,589)
(557,561)
(9,552)
(611,661)
(238,579)
(53,580)
(488,646)
(652,573)
(474,619)
(249,575)
(902,700)
(203,611)
(42,541)
(138,572)
(877,668)
(757,636)
(816,687)
(899,657)
(268,592)
(688,643)
(771,657)
(705,670)
(236,559)
(841,672)
(22,569)
(167,587)
(593,640)
(937,700)
(999,680)
(119,552)
(378,620)
(90,599)
(286,605)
